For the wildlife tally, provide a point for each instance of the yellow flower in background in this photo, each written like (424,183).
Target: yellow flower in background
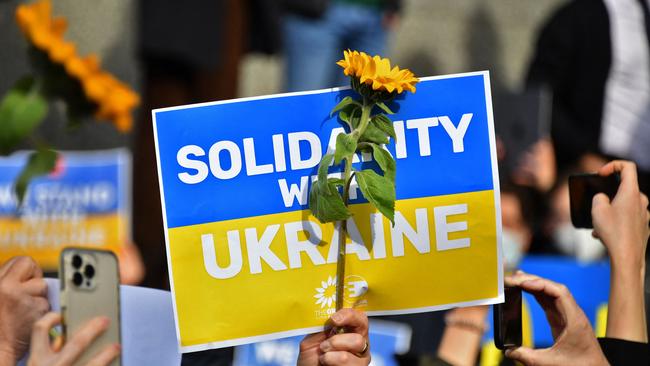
(377,72)
(114,99)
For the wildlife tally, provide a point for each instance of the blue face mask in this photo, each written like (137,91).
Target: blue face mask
(512,253)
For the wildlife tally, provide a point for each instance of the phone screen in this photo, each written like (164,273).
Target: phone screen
(507,320)
(582,189)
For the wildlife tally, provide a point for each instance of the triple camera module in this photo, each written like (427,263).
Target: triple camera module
(84,271)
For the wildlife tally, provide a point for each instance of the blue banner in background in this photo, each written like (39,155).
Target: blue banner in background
(92,182)
(85,201)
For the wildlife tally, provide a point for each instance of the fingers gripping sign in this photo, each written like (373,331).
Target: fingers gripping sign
(332,348)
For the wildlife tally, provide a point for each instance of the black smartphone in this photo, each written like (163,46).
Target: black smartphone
(507,320)
(582,189)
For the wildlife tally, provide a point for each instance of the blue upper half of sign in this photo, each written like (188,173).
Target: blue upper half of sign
(94,182)
(419,174)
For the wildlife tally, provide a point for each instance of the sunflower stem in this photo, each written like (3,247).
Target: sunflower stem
(343,225)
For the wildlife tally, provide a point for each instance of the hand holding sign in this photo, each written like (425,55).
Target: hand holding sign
(325,348)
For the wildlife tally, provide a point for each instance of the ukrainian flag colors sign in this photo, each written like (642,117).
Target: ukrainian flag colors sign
(248,262)
(85,202)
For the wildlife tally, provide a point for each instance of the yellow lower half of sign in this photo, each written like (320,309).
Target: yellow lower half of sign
(257,278)
(44,239)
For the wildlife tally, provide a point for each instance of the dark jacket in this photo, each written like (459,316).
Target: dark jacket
(573,57)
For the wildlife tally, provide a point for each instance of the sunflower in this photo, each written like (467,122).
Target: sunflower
(114,99)
(377,73)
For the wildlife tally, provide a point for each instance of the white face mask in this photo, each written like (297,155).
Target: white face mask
(512,253)
(578,243)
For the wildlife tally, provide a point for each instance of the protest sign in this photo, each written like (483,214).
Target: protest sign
(248,262)
(84,202)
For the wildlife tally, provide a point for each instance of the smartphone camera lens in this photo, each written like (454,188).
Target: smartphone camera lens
(89,271)
(76,261)
(77,279)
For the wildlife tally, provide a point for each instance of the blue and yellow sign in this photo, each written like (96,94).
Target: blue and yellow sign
(84,202)
(248,262)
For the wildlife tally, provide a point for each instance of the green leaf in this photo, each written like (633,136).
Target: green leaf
(323,168)
(346,145)
(384,123)
(337,182)
(350,115)
(384,107)
(40,162)
(374,134)
(326,203)
(342,104)
(385,161)
(379,191)
(21,110)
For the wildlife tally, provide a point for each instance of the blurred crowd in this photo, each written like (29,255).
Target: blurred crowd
(586,102)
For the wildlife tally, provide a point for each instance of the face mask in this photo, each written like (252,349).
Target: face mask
(578,243)
(512,252)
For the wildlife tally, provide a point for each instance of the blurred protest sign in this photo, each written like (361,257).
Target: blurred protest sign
(84,202)
(248,263)
(387,339)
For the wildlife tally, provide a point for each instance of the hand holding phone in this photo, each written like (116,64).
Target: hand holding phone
(575,342)
(45,351)
(90,290)
(582,189)
(507,320)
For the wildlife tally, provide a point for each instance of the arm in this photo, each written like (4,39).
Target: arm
(461,340)
(622,225)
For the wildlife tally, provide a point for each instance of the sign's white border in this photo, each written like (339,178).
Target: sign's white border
(271,336)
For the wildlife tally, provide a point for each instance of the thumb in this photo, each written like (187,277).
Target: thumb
(600,200)
(599,205)
(525,355)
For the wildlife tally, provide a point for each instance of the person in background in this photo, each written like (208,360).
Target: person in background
(517,219)
(315,33)
(595,57)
